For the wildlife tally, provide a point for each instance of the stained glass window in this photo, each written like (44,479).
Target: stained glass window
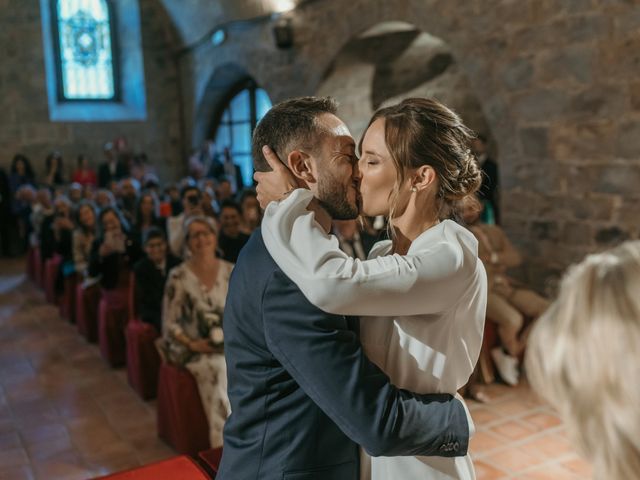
(84,42)
(235,128)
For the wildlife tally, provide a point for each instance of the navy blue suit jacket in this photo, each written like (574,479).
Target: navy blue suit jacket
(304,396)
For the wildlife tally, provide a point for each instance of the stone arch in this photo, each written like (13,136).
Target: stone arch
(220,86)
(396,60)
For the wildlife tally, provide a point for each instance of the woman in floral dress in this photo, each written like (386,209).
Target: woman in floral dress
(194,300)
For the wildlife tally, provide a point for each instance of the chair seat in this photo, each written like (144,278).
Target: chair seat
(113,313)
(68,300)
(210,460)
(177,468)
(51,269)
(182,422)
(143,361)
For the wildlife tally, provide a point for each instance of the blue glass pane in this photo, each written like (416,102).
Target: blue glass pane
(246,166)
(263,103)
(86,53)
(240,107)
(241,138)
(225,116)
(223,139)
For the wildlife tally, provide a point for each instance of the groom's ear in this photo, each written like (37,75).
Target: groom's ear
(300,164)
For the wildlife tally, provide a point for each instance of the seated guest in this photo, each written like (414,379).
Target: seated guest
(26,198)
(191,205)
(172,195)
(224,191)
(104,198)
(54,174)
(84,174)
(508,302)
(63,226)
(231,237)
(114,252)
(42,208)
(151,275)
(251,212)
(83,237)
(209,204)
(353,241)
(194,302)
(582,357)
(75,194)
(147,215)
(113,169)
(128,198)
(52,222)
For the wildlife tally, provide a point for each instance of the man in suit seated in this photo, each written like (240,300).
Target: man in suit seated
(303,395)
(151,275)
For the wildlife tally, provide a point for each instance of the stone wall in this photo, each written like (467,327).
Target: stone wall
(557,81)
(385,66)
(25,125)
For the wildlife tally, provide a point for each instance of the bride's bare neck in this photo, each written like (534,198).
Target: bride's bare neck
(415,220)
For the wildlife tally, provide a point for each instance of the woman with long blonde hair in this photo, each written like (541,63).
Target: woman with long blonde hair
(582,357)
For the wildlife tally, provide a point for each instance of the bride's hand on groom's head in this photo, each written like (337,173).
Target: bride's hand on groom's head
(276,184)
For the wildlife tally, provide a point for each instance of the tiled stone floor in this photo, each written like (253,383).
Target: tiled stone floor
(65,415)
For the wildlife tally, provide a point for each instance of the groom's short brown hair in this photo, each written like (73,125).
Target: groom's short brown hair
(288,125)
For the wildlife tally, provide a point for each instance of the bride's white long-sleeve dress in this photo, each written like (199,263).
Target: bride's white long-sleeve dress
(422,314)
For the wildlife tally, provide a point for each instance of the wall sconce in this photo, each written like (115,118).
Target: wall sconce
(283,33)
(218,37)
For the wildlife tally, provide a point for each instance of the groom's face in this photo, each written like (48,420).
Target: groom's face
(335,165)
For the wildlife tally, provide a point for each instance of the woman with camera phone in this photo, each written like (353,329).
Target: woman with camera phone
(114,252)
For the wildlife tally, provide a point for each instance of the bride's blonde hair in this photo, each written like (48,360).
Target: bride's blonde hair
(582,357)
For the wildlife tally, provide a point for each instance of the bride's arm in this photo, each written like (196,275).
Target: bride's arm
(423,283)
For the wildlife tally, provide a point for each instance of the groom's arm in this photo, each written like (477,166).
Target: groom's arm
(327,361)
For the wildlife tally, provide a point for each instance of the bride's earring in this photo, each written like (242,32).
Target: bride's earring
(414,189)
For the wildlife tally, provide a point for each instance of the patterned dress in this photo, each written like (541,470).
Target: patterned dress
(193,310)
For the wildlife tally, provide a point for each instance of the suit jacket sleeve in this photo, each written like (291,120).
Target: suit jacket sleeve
(328,363)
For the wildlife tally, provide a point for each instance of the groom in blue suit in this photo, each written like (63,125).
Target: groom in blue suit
(303,395)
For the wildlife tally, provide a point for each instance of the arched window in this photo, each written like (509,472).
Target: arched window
(94,60)
(85,46)
(236,123)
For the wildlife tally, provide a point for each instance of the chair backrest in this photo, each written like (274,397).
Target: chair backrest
(132,297)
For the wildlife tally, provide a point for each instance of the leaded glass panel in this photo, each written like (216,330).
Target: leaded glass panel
(86,51)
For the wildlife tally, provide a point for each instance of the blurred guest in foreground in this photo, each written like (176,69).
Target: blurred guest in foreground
(582,358)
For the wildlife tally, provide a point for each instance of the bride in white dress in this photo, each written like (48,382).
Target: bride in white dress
(421,296)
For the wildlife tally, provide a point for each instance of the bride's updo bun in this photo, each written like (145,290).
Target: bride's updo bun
(423,131)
